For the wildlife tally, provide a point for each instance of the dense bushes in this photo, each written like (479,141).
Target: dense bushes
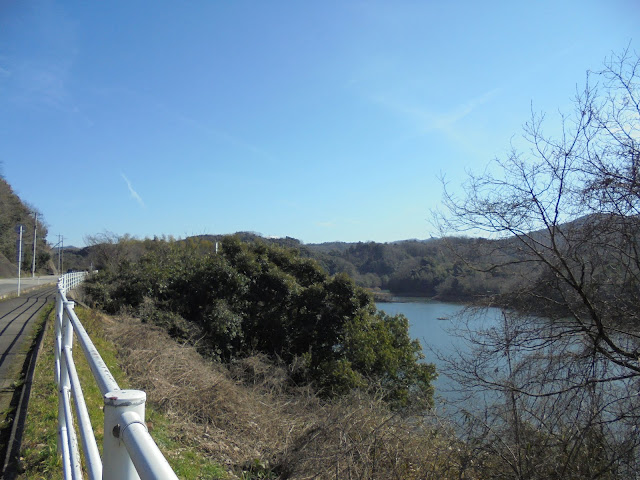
(253,297)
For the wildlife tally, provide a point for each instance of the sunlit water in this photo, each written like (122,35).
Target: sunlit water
(435,324)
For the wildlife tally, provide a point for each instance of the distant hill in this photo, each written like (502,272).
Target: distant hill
(432,267)
(328,247)
(425,268)
(75,258)
(14,211)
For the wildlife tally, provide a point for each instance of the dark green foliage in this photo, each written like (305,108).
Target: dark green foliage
(380,351)
(258,297)
(431,268)
(423,268)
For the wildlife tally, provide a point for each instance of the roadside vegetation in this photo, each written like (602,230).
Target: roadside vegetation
(254,298)
(241,420)
(248,416)
(39,457)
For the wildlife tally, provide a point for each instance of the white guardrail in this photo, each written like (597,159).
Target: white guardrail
(129,452)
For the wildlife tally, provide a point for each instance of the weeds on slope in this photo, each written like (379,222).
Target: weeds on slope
(39,457)
(242,422)
(247,416)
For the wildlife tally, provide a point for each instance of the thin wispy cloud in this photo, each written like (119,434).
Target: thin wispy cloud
(428,120)
(132,191)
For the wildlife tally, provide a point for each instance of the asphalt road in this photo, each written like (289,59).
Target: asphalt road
(17,317)
(17,320)
(9,286)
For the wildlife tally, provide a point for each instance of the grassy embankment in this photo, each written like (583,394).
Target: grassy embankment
(244,416)
(39,458)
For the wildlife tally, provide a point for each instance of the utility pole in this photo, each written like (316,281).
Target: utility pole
(35,236)
(19,229)
(60,254)
(59,245)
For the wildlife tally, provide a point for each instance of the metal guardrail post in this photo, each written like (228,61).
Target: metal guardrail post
(58,336)
(93,462)
(62,428)
(66,432)
(145,454)
(65,388)
(117,464)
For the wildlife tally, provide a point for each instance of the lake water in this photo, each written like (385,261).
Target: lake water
(434,324)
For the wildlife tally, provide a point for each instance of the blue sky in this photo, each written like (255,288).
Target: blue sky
(322,121)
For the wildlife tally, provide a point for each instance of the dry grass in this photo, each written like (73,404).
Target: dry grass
(244,417)
(231,421)
(358,438)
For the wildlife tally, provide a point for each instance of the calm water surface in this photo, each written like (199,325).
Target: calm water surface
(434,324)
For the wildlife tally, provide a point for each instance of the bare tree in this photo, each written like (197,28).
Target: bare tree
(108,250)
(565,218)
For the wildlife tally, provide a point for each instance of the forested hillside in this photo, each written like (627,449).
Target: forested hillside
(13,211)
(438,268)
(252,297)
(431,268)
(423,268)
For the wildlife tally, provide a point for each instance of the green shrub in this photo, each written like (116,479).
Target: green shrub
(259,298)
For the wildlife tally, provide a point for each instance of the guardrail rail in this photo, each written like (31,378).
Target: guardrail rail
(129,452)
